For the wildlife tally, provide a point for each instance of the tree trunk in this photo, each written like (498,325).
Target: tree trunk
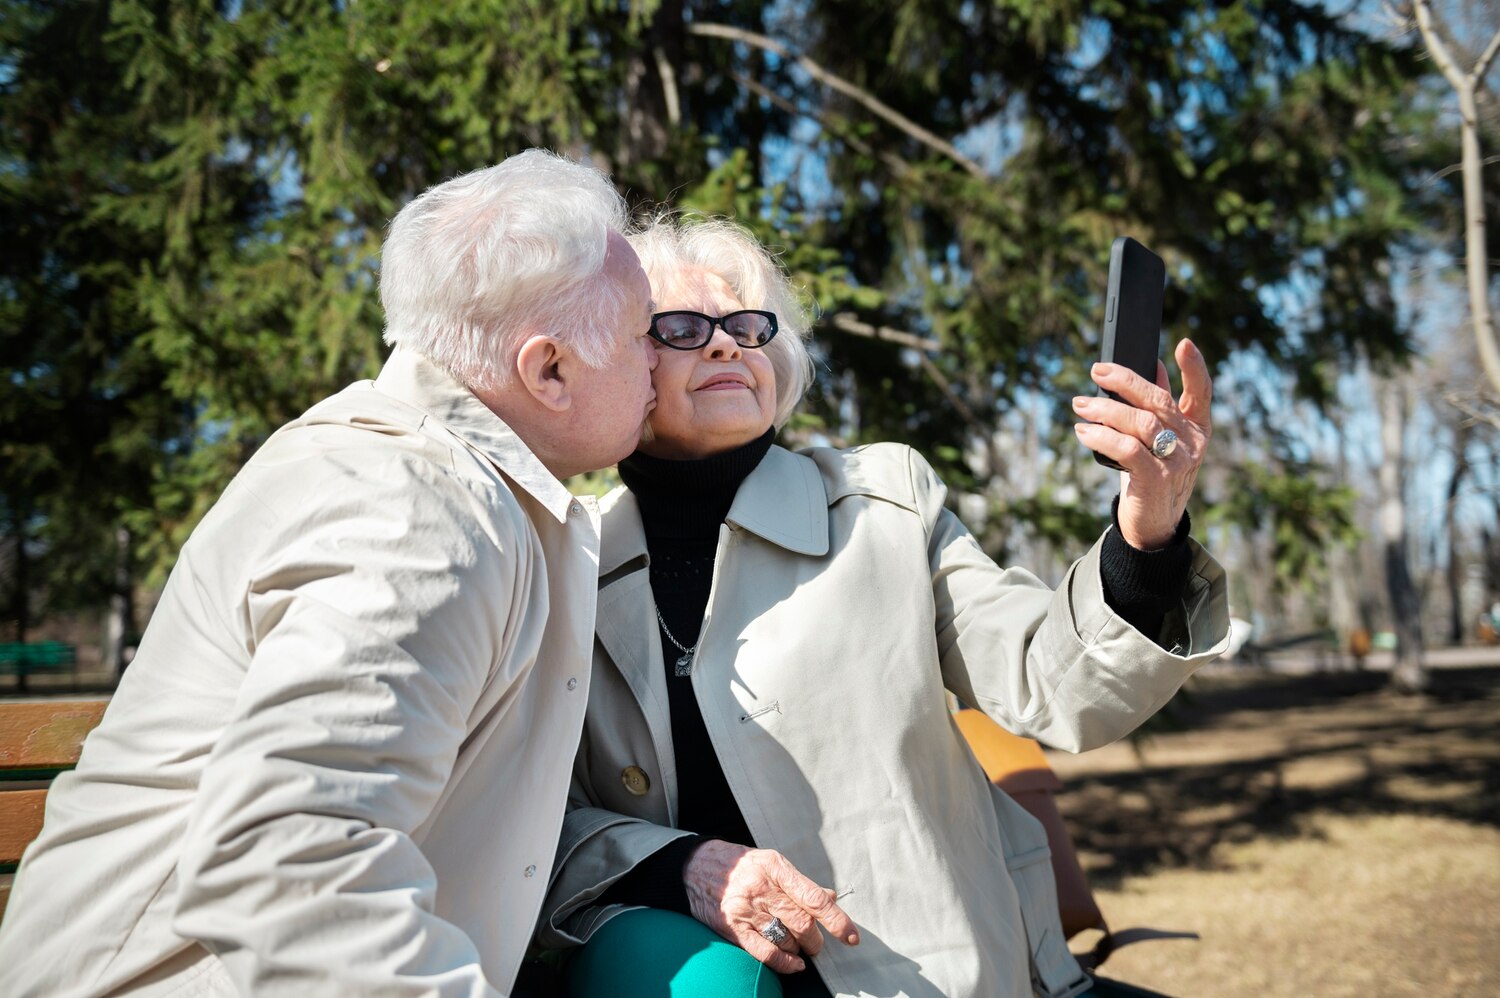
(652,99)
(1409,674)
(1476,255)
(119,625)
(1465,83)
(21,598)
(1455,563)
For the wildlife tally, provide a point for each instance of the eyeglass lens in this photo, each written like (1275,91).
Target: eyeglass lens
(689,330)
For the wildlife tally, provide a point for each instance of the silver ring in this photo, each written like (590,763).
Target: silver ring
(776,931)
(1164,444)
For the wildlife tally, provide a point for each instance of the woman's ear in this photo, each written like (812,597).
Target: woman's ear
(539,365)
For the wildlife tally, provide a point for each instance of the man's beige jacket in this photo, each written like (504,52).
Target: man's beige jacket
(339,762)
(845,600)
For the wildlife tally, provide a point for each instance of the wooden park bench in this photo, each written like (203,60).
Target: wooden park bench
(38,740)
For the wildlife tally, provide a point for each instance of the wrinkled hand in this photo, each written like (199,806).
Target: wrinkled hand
(1153,491)
(736,891)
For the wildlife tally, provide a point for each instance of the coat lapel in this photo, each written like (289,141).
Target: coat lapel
(626,625)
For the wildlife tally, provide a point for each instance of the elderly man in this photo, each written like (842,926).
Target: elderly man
(339,762)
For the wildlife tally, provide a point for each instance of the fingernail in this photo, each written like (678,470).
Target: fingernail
(1101,368)
(1080,402)
(852,939)
(1082,428)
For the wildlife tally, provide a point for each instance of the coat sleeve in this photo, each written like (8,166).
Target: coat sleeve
(374,621)
(1060,667)
(597,848)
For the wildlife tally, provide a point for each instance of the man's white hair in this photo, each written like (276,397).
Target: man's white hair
(719,246)
(477,264)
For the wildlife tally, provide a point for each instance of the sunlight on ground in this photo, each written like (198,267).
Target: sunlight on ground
(1385,905)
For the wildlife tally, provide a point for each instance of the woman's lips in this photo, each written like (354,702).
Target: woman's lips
(723,383)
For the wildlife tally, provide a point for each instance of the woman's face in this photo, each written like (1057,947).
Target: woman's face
(717,397)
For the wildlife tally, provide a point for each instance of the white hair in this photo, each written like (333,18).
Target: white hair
(477,264)
(730,251)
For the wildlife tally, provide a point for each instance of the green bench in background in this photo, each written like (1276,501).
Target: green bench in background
(33,658)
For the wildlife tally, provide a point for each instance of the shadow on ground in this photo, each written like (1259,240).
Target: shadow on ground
(1258,757)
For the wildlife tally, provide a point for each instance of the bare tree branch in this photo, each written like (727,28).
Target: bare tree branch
(1435,46)
(848,323)
(668,85)
(843,86)
(1474,413)
(1482,66)
(1454,168)
(1476,262)
(898,165)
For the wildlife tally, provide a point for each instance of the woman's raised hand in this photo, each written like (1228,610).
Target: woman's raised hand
(737,891)
(1153,490)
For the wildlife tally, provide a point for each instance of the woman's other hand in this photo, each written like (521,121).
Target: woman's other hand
(1153,490)
(737,891)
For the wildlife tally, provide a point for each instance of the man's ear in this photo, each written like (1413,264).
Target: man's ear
(539,367)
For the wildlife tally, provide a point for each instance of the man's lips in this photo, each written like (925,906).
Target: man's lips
(723,382)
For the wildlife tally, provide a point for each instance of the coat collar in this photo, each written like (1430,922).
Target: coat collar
(412,378)
(782,501)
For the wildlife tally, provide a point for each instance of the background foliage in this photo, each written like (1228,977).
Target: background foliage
(194,195)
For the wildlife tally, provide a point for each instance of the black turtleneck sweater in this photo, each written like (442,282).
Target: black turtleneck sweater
(683,504)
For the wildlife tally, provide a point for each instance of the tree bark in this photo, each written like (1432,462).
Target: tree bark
(1476,262)
(119,624)
(21,598)
(1455,563)
(1410,673)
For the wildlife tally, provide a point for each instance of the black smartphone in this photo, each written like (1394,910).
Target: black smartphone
(1132,314)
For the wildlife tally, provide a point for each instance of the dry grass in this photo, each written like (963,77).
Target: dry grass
(1394,905)
(1323,837)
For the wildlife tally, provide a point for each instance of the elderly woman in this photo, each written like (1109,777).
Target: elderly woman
(768,754)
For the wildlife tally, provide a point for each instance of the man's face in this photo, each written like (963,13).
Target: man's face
(611,402)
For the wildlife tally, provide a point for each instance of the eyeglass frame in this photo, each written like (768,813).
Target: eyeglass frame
(715,322)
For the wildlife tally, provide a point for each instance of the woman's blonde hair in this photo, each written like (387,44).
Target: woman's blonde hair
(670,242)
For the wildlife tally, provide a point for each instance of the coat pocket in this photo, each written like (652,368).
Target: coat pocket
(1028,860)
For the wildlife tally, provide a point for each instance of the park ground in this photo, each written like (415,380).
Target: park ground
(1322,835)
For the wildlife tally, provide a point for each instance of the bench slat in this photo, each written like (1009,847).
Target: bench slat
(20,822)
(45,734)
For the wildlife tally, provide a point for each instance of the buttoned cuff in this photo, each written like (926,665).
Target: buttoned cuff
(656,881)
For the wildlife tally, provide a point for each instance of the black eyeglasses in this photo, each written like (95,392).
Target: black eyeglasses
(683,330)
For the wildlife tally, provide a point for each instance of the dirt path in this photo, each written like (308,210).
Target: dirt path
(1322,836)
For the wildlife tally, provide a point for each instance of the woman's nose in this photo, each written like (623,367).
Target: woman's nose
(721,345)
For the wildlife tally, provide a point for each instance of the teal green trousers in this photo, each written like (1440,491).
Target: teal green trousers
(650,953)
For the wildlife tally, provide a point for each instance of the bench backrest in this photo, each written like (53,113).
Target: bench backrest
(38,740)
(36,656)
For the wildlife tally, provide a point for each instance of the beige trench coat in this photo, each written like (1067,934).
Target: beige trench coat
(339,762)
(845,600)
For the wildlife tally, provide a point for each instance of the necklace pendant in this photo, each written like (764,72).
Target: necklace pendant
(684,666)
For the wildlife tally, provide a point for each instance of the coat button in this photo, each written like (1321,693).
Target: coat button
(636,780)
(531,871)
(572,684)
(575,509)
